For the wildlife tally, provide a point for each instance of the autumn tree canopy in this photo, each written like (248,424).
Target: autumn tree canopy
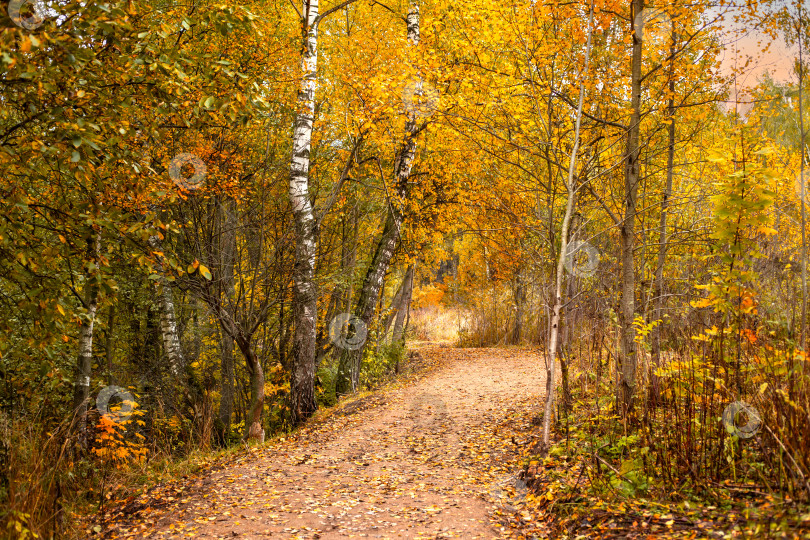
(232,216)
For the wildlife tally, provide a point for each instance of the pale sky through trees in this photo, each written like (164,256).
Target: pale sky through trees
(767,55)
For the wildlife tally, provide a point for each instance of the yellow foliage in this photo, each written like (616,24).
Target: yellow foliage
(112,445)
(430,295)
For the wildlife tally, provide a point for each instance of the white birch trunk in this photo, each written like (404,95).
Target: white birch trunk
(84,361)
(554,331)
(349,364)
(302,377)
(168,321)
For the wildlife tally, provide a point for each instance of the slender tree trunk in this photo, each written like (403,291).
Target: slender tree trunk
(84,362)
(570,324)
(349,364)
(520,307)
(255,431)
(627,383)
(81,385)
(403,313)
(227,384)
(170,335)
(662,236)
(348,263)
(243,340)
(802,154)
(109,347)
(168,321)
(229,224)
(404,307)
(305,299)
(554,330)
(168,328)
(393,309)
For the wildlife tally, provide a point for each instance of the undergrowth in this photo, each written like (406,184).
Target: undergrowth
(601,478)
(51,488)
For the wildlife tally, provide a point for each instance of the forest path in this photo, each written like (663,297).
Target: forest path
(432,459)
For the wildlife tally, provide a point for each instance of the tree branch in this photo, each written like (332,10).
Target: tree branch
(329,11)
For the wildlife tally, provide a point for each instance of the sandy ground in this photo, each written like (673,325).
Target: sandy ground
(434,459)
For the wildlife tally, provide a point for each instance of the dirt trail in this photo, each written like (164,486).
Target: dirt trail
(435,459)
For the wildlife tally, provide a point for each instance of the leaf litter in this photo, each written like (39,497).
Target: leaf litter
(435,458)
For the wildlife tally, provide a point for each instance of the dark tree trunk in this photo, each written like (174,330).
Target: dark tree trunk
(400,323)
(109,347)
(662,238)
(229,221)
(627,382)
(253,422)
(520,308)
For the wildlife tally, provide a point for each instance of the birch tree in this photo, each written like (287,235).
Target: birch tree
(84,362)
(305,296)
(571,188)
(168,320)
(305,300)
(349,365)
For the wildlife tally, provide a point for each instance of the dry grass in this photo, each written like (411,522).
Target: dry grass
(437,324)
